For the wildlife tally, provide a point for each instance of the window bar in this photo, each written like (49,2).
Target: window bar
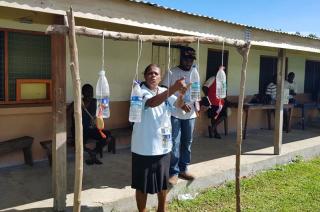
(6,75)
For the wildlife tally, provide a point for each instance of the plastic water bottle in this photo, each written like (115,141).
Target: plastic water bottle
(221,84)
(135,103)
(165,130)
(102,95)
(195,84)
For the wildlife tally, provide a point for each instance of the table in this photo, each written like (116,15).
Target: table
(248,106)
(305,106)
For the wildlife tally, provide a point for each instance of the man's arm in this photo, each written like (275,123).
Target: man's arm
(207,84)
(205,90)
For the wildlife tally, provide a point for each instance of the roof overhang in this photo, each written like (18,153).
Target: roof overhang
(159,20)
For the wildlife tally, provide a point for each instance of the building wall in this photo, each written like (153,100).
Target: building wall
(120,63)
(21,121)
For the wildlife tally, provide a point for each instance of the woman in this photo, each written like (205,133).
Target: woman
(90,131)
(150,158)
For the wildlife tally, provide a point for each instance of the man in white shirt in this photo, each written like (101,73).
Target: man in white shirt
(182,122)
(291,85)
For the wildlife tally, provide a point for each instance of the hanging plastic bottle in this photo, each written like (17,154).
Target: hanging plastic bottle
(195,84)
(102,95)
(135,103)
(165,129)
(221,84)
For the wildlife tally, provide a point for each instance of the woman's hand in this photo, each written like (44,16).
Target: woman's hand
(179,85)
(183,90)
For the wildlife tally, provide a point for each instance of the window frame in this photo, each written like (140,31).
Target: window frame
(225,61)
(261,89)
(314,88)
(6,100)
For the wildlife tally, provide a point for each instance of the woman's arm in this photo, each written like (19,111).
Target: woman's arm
(160,98)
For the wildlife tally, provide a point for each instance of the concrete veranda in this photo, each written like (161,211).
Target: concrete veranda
(107,186)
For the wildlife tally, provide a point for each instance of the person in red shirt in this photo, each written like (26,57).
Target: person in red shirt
(217,110)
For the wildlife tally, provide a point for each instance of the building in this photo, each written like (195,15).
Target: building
(26,53)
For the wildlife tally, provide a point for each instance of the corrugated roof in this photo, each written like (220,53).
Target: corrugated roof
(221,20)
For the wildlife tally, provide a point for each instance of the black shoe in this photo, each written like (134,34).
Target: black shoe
(96,161)
(217,135)
(210,131)
(89,162)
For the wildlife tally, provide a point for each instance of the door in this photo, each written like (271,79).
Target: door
(214,62)
(268,69)
(312,78)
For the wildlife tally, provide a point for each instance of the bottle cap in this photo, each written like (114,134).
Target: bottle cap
(102,73)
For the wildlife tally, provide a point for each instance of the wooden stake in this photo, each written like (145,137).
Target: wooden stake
(244,52)
(279,103)
(74,67)
(90,32)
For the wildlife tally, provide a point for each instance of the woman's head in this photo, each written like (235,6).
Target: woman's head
(87,91)
(152,75)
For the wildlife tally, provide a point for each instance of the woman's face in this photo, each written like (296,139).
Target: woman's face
(153,77)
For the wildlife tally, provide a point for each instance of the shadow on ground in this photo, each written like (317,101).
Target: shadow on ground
(69,209)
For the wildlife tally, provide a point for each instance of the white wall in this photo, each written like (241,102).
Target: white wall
(120,65)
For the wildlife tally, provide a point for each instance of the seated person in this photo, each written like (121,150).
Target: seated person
(90,131)
(291,85)
(272,92)
(217,109)
(272,89)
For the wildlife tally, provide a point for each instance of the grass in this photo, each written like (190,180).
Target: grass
(292,187)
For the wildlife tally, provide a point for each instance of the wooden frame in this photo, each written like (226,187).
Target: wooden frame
(6,72)
(20,82)
(71,30)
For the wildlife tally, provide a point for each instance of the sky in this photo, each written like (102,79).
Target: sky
(301,16)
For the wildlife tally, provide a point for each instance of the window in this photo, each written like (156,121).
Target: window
(312,77)
(160,55)
(214,62)
(268,69)
(24,56)
(1,66)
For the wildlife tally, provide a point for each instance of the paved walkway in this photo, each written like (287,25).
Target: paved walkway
(108,186)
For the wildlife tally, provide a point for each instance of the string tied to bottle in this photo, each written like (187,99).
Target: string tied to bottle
(99,120)
(140,44)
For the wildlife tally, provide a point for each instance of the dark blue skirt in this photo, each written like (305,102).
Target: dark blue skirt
(150,174)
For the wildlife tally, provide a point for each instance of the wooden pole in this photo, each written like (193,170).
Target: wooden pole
(279,103)
(74,67)
(59,138)
(244,52)
(90,32)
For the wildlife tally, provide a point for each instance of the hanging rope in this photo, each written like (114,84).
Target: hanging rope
(136,76)
(169,64)
(102,57)
(198,54)
(102,68)
(222,55)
